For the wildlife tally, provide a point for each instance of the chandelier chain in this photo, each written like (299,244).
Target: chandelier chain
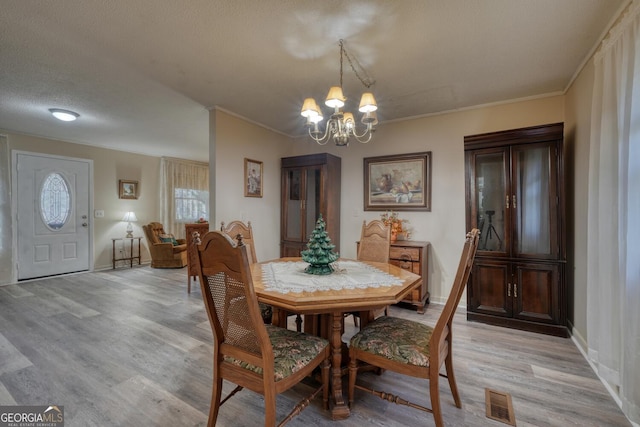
(368,83)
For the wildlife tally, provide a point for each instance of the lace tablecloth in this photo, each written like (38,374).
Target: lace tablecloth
(287,277)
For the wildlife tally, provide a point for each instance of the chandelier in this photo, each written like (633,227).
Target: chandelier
(341,125)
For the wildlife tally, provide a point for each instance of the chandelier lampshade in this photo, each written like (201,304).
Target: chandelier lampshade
(367,103)
(335,98)
(309,108)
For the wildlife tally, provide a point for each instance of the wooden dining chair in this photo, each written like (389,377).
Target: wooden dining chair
(412,348)
(238,227)
(375,240)
(235,228)
(263,358)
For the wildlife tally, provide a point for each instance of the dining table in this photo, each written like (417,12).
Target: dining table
(353,286)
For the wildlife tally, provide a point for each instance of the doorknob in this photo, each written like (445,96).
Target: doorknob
(84,224)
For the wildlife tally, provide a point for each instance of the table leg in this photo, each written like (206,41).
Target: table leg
(340,410)
(113,254)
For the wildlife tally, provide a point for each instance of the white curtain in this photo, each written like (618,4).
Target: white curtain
(613,243)
(184,194)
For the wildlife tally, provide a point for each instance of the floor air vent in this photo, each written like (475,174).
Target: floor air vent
(499,407)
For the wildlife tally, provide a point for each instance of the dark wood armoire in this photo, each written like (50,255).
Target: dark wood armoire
(310,187)
(515,196)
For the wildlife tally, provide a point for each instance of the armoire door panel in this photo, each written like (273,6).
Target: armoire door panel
(536,297)
(490,289)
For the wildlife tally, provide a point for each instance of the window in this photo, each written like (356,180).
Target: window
(184,194)
(191,205)
(55,201)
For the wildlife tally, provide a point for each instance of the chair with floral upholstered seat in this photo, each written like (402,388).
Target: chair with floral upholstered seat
(235,228)
(412,348)
(263,358)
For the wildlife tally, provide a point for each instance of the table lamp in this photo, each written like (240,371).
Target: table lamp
(130,217)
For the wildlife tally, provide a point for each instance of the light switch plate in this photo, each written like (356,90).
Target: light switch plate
(99,213)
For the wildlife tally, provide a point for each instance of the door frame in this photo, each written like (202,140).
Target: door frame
(14,206)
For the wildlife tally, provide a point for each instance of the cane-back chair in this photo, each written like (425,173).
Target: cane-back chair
(412,348)
(263,358)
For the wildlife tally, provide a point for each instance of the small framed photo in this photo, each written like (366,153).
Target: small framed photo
(400,183)
(128,189)
(252,178)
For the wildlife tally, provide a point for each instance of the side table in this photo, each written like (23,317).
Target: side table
(131,256)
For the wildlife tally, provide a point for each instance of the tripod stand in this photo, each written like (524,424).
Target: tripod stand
(491,230)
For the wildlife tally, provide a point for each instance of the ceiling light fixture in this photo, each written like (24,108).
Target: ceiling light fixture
(64,115)
(341,125)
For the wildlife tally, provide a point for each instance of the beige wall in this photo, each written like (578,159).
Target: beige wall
(577,136)
(108,167)
(443,135)
(234,140)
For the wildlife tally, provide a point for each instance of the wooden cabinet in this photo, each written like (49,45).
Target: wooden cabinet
(310,187)
(413,256)
(515,196)
(192,272)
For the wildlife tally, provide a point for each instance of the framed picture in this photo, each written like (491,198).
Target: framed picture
(128,189)
(400,183)
(252,178)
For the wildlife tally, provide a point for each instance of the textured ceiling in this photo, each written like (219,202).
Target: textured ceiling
(142,73)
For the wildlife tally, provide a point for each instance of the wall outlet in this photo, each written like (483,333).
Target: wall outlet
(98,213)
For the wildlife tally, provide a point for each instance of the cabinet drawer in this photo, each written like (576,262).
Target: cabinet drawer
(413,267)
(412,254)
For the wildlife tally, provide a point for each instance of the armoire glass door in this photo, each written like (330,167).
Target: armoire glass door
(533,200)
(490,199)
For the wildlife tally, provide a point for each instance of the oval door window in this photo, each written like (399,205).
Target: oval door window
(55,201)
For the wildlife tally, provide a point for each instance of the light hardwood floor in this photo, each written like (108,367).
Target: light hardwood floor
(130,347)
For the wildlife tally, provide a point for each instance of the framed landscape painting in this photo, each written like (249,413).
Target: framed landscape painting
(400,182)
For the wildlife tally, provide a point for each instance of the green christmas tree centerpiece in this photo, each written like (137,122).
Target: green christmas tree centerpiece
(319,253)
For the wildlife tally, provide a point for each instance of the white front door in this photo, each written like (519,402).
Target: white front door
(52,199)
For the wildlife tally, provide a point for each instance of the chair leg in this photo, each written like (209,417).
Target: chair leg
(216,394)
(448,362)
(434,392)
(298,323)
(355,320)
(353,373)
(325,383)
(269,409)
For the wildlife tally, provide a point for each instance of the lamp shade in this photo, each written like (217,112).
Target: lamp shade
(317,118)
(309,108)
(349,122)
(370,118)
(335,98)
(130,217)
(368,103)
